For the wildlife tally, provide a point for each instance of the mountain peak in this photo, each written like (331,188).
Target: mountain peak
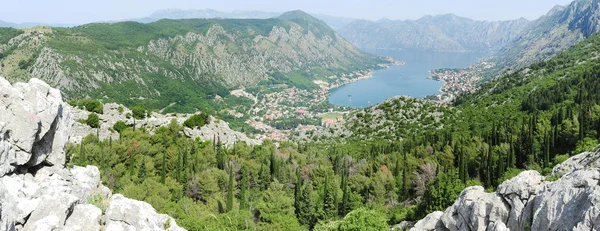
(295,14)
(305,19)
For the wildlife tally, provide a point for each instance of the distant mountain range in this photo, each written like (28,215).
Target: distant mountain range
(32,24)
(438,33)
(516,43)
(188,61)
(332,21)
(553,33)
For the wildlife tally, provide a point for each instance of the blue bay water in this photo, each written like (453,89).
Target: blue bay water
(409,79)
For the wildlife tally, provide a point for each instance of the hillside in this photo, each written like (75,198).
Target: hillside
(186,62)
(332,21)
(414,159)
(437,33)
(558,30)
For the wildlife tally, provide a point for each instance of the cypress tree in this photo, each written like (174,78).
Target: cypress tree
(163,174)
(220,156)
(273,166)
(344,204)
(405,183)
(329,199)
(265,177)
(230,189)
(142,171)
(297,189)
(178,167)
(306,208)
(547,151)
(244,191)
(131,164)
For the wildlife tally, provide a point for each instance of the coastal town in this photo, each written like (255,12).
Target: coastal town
(277,113)
(458,81)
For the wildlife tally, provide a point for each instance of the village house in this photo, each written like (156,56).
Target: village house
(329,122)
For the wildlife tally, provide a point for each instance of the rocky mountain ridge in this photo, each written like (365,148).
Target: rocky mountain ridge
(530,201)
(553,33)
(37,191)
(435,33)
(188,62)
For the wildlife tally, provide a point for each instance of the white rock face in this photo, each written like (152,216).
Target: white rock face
(216,129)
(127,214)
(34,126)
(36,191)
(529,202)
(85,217)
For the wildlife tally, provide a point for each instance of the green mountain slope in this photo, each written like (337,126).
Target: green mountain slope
(186,62)
(439,33)
(560,29)
(406,158)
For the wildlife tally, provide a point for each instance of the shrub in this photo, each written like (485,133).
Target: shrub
(509,174)
(364,219)
(99,201)
(120,109)
(120,126)
(197,121)
(139,112)
(93,120)
(90,105)
(561,158)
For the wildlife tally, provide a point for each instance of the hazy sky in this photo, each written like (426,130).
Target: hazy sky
(84,11)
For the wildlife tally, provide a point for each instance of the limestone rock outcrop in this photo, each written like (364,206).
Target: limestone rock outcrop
(37,192)
(34,126)
(216,129)
(220,130)
(529,202)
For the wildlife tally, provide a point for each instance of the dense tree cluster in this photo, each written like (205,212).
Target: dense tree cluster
(531,119)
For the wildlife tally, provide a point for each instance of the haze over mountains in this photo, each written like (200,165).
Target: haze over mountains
(160,108)
(560,29)
(437,33)
(517,43)
(332,21)
(184,61)
(32,24)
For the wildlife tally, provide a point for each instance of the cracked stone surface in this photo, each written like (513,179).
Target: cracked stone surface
(529,202)
(37,192)
(216,129)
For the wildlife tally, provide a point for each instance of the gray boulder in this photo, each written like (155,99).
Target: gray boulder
(529,202)
(34,126)
(85,217)
(218,129)
(580,161)
(37,192)
(430,222)
(51,212)
(570,203)
(127,214)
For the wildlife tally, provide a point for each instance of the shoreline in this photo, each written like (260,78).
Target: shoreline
(369,73)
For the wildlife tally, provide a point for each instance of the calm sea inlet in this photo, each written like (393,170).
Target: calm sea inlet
(409,79)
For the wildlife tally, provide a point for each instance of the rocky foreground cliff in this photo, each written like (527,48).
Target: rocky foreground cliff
(530,201)
(37,191)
